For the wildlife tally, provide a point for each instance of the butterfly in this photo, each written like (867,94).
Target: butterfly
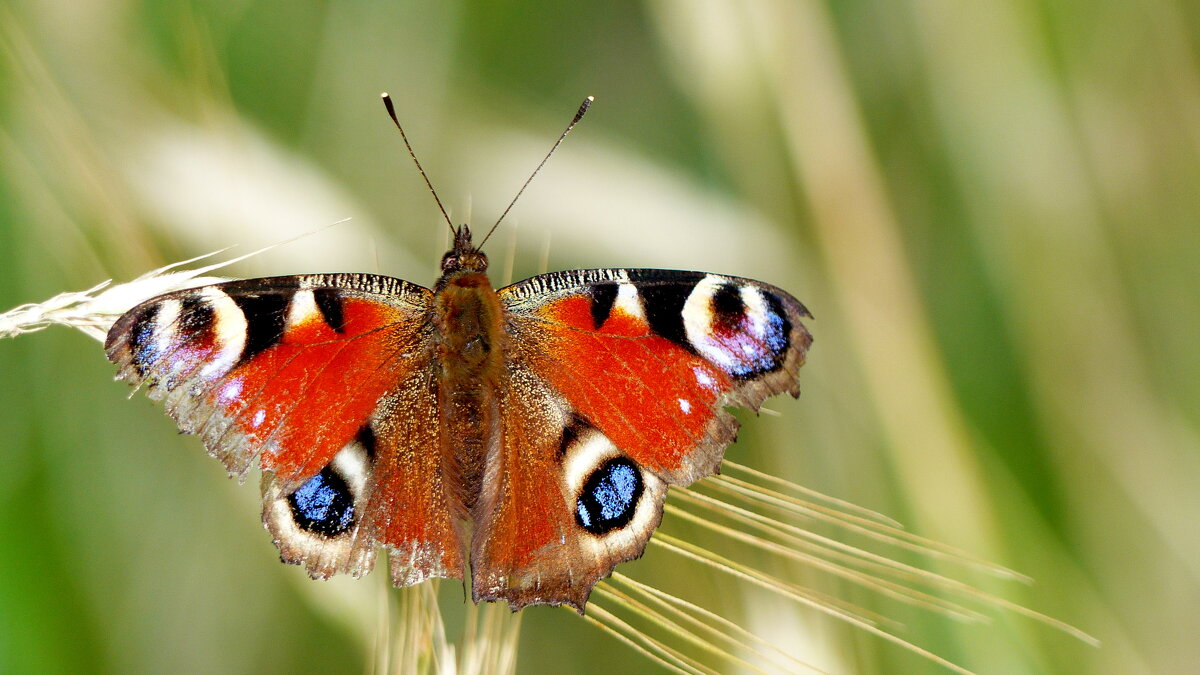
(520,439)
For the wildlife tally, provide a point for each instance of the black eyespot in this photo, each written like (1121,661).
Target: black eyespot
(728,307)
(196,319)
(609,497)
(324,504)
(664,293)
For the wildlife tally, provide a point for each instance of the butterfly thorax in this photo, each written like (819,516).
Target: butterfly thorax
(468,318)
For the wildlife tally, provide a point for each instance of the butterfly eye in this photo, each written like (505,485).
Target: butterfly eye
(609,497)
(323,505)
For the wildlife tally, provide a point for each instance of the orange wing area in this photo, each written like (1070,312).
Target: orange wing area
(522,514)
(258,377)
(295,372)
(651,397)
(303,399)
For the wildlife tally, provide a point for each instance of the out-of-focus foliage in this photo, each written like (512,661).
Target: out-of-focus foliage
(991,208)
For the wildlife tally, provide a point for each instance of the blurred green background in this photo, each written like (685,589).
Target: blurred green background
(990,207)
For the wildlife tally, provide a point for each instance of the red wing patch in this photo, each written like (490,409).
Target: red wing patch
(650,396)
(308,395)
(408,510)
(264,369)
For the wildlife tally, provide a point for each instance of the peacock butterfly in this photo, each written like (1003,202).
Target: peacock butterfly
(523,438)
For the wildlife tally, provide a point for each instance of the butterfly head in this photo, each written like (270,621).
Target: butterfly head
(464,256)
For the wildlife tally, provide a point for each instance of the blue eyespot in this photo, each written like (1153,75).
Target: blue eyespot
(763,353)
(609,497)
(763,350)
(324,504)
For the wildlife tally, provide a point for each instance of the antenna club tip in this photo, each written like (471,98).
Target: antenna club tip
(384,95)
(583,108)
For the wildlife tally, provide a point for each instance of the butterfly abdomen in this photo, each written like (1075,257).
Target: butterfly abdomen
(468,319)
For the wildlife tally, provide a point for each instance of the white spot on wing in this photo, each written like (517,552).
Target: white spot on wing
(302,308)
(166,327)
(229,332)
(352,464)
(685,405)
(627,301)
(230,391)
(698,323)
(584,456)
(259,416)
(756,311)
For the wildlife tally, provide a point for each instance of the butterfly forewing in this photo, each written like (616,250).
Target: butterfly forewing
(307,375)
(652,357)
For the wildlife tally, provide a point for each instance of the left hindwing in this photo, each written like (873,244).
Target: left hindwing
(619,380)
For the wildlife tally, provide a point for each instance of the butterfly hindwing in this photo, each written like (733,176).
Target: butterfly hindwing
(304,374)
(410,509)
(618,384)
(561,505)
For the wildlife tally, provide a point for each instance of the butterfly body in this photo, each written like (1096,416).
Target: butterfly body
(521,438)
(468,323)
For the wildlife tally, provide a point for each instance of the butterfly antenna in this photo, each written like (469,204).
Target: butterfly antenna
(583,108)
(387,103)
